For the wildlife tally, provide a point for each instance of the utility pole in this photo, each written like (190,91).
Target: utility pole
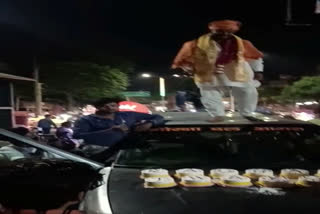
(37,88)
(289,12)
(289,20)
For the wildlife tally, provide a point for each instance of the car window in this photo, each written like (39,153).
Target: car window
(243,149)
(14,147)
(11,150)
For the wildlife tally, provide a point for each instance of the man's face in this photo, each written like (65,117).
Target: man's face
(109,108)
(220,35)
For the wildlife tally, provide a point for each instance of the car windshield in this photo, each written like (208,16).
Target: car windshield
(234,149)
(11,150)
(15,147)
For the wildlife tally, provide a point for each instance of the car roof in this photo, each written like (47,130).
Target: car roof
(185,122)
(200,118)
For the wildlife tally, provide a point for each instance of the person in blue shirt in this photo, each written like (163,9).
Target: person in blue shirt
(181,100)
(108,126)
(46,124)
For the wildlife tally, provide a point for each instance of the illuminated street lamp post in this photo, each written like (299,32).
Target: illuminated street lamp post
(162,89)
(162,84)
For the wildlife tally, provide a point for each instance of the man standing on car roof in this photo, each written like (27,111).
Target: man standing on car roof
(221,59)
(108,126)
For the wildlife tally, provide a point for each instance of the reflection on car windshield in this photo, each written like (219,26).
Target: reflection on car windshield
(235,150)
(10,152)
(15,147)
(12,149)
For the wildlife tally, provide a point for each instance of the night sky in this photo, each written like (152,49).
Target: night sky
(151,32)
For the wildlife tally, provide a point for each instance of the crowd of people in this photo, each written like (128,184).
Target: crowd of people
(106,127)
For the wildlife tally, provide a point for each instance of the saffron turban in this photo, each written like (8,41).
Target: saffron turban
(225,25)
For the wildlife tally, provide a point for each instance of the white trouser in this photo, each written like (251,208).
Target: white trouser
(246,99)
(245,94)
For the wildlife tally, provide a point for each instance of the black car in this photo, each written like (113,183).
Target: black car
(249,143)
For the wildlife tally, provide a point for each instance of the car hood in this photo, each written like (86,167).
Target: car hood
(128,196)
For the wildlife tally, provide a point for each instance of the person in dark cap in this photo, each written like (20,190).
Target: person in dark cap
(108,126)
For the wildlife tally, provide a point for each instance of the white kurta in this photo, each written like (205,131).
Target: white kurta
(245,93)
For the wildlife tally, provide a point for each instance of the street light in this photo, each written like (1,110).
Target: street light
(146,75)
(162,86)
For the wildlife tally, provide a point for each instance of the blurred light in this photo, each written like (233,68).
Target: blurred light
(190,107)
(145,75)
(162,87)
(88,109)
(161,108)
(269,119)
(229,114)
(176,75)
(304,116)
(65,117)
(308,103)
